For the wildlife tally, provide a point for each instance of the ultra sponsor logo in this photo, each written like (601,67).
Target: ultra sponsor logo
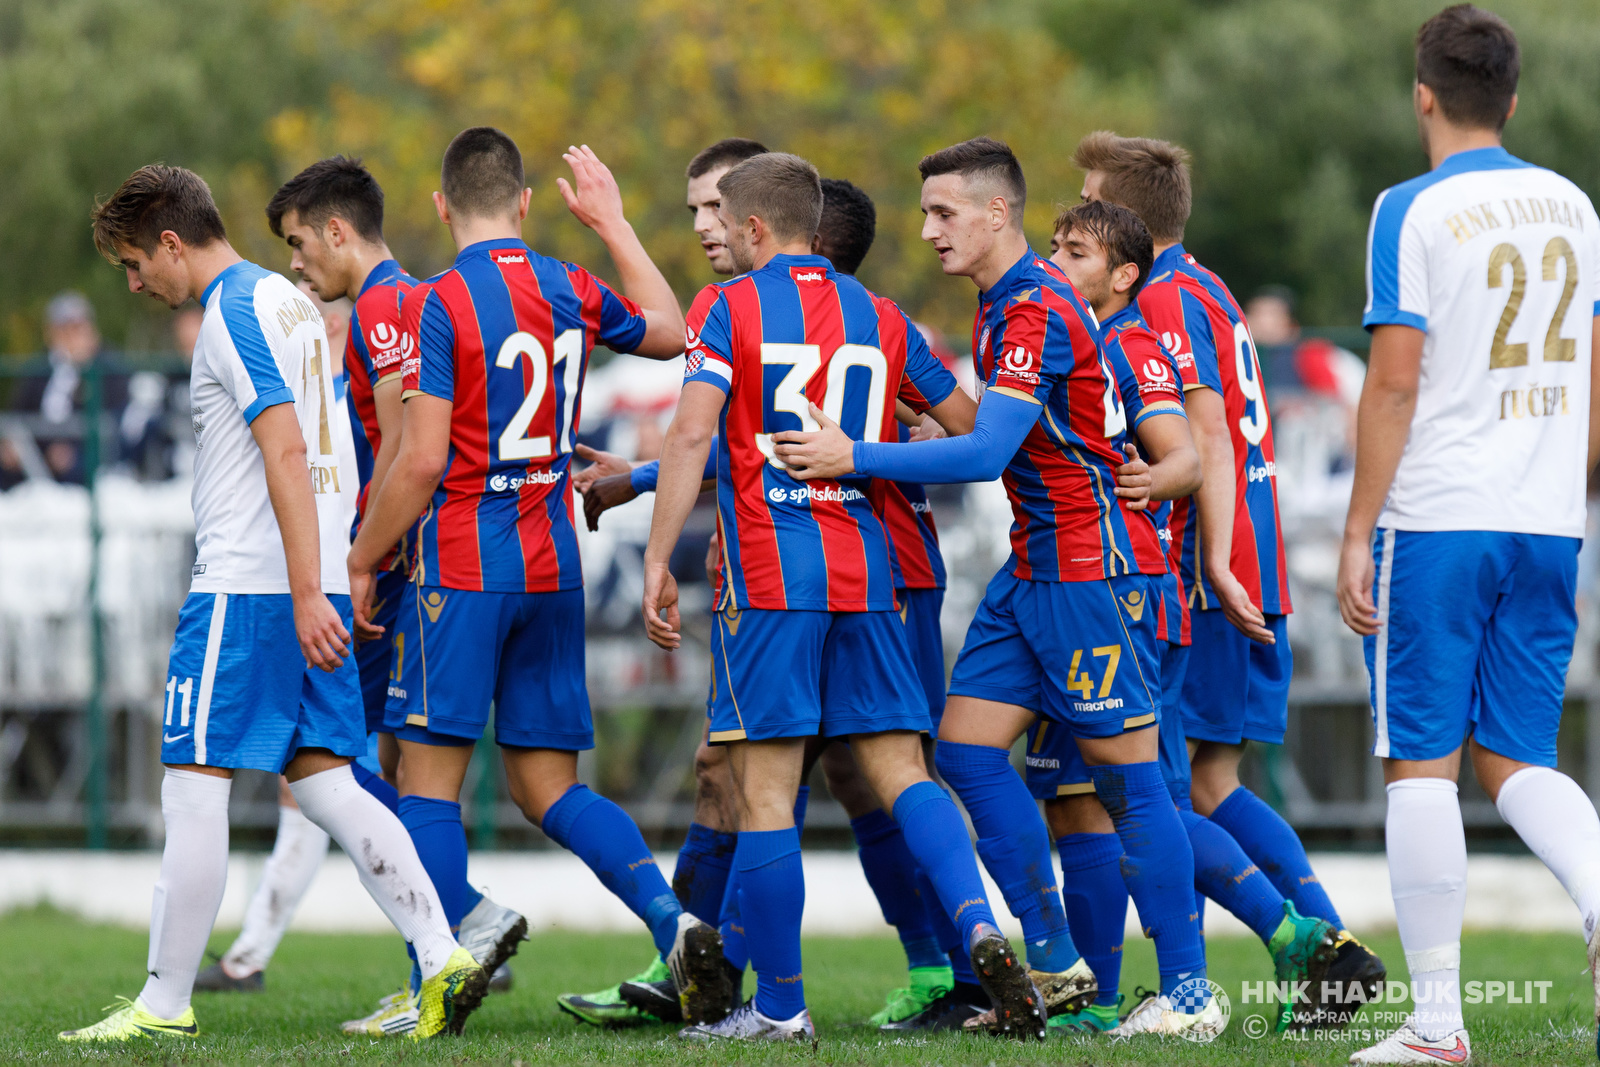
(499,483)
(1173,342)
(809,493)
(1155,371)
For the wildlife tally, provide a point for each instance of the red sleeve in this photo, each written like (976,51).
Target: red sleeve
(1020,359)
(379,313)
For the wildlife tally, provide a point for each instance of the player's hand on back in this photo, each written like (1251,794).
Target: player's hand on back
(323,639)
(930,430)
(604,495)
(592,195)
(1354,588)
(1239,609)
(661,595)
(824,453)
(1133,480)
(601,465)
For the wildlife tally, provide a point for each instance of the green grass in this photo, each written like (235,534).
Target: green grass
(58,972)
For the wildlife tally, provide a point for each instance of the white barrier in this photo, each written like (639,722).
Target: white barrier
(554,889)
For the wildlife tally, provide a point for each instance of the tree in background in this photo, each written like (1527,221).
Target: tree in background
(91,89)
(1299,113)
(863,88)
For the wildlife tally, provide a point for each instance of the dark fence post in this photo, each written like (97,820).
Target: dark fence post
(95,722)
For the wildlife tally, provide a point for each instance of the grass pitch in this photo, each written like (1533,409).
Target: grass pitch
(58,972)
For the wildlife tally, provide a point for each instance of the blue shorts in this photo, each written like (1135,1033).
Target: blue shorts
(460,650)
(1055,767)
(1477,630)
(803,673)
(376,658)
(1236,689)
(920,610)
(1083,654)
(239,693)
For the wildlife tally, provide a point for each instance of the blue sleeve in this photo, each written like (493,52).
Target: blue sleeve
(622,324)
(437,340)
(643,478)
(980,456)
(261,367)
(1203,343)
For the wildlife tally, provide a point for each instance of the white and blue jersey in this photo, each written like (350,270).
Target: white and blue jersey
(239,693)
(1497,261)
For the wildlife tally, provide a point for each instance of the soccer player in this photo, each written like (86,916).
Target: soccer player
(805,637)
(494,613)
(941,990)
(700,877)
(1475,435)
(1106,252)
(1225,542)
(331,216)
(1067,628)
(267,578)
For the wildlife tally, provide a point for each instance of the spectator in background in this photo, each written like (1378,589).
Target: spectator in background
(54,389)
(1291,363)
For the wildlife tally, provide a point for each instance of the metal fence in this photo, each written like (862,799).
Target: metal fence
(92,576)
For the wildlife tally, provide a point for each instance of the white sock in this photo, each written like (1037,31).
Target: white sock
(194,871)
(1558,822)
(296,855)
(378,844)
(1427,850)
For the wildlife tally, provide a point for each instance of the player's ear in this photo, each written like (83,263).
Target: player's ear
(999,213)
(1123,277)
(172,244)
(441,207)
(522,204)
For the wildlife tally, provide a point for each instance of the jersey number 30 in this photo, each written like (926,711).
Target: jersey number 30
(803,361)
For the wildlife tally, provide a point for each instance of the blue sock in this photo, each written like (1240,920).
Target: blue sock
(416,970)
(936,837)
(773,898)
(1015,846)
(944,931)
(441,840)
(701,875)
(730,923)
(387,794)
(602,836)
(1096,900)
(1225,874)
(1276,849)
(802,800)
(892,874)
(1157,864)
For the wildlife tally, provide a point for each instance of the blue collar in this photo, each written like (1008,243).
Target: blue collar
(784,260)
(1009,279)
(492,246)
(237,268)
(1168,261)
(389,268)
(1495,157)
(1127,315)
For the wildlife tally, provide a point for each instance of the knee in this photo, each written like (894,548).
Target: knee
(711,769)
(1082,814)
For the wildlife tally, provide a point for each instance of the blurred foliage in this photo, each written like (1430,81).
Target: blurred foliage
(1297,111)
(90,90)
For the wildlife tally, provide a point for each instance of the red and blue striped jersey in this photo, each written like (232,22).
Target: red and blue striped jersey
(914,552)
(776,340)
(1202,325)
(372,354)
(1149,384)
(505,335)
(1034,338)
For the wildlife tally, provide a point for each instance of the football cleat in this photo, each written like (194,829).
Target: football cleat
(450,996)
(396,1016)
(607,1008)
(928,984)
(216,980)
(1354,965)
(948,1011)
(1156,1015)
(700,973)
(1405,1045)
(491,933)
(129,1019)
(1063,993)
(1302,951)
(747,1024)
(1095,1019)
(500,981)
(656,999)
(1018,1005)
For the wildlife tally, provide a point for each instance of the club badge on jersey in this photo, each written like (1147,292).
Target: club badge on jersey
(777,340)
